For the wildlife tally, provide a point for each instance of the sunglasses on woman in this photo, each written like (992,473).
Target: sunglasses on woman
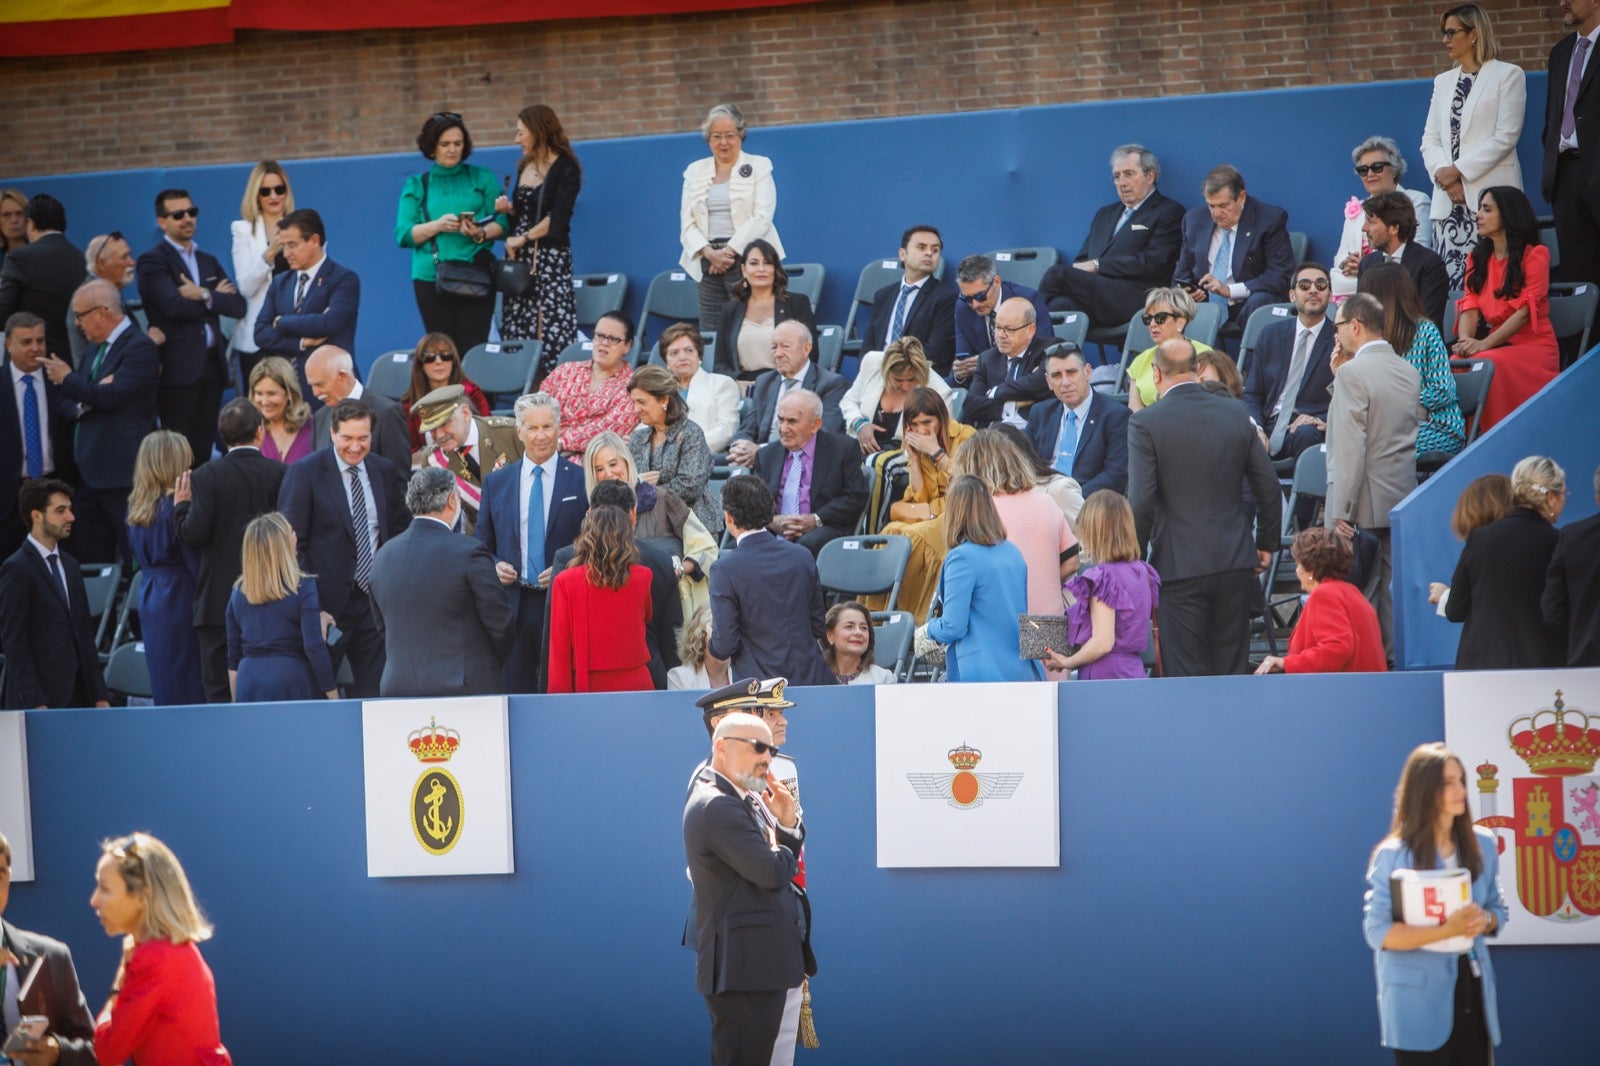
(1160,318)
(272,190)
(1373,168)
(437,357)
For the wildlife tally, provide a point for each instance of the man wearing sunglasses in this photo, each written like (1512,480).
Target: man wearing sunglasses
(1291,373)
(1391,229)
(185,293)
(981,292)
(1235,247)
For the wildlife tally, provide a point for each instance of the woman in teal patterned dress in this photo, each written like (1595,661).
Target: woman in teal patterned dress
(1410,332)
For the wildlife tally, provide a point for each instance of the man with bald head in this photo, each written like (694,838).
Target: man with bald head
(1010,377)
(793,368)
(814,475)
(1187,457)
(331,373)
(114,388)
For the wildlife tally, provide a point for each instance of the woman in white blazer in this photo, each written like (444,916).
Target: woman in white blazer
(1474,123)
(257,251)
(729,199)
(885,379)
(713,399)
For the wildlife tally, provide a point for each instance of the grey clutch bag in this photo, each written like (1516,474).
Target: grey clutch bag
(1041,631)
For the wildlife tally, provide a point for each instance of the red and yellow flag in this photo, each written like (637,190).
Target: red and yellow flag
(79,27)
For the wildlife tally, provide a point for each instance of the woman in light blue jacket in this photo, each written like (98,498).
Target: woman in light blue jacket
(1435,1006)
(983,587)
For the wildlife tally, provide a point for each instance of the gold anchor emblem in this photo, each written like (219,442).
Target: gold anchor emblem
(437,810)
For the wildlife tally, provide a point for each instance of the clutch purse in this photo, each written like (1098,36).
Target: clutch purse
(1038,632)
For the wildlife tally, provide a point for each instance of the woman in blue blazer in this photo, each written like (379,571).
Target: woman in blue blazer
(1435,1006)
(983,587)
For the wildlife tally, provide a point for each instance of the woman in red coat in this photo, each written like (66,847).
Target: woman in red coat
(599,608)
(163,1005)
(1338,629)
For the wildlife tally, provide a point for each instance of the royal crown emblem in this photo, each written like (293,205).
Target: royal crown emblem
(965,757)
(433,743)
(965,790)
(1558,742)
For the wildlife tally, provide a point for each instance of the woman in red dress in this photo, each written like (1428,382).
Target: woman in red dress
(599,608)
(1508,288)
(163,1005)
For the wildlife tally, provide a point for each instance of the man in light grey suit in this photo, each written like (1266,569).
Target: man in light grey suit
(331,372)
(1372,439)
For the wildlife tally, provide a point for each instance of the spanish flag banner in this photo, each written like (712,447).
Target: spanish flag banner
(399,14)
(81,27)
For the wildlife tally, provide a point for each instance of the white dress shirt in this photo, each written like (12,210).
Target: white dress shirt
(17,385)
(524,484)
(366,489)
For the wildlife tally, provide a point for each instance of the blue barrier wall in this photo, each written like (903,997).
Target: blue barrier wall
(1032,176)
(1214,837)
(1424,548)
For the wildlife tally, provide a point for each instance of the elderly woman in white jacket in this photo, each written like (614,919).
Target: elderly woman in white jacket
(1474,123)
(871,408)
(713,399)
(728,201)
(257,250)
(1380,166)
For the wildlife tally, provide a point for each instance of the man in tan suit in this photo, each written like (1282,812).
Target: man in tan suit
(468,446)
(1372,439)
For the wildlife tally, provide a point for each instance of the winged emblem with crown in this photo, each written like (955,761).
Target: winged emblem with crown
(964,789)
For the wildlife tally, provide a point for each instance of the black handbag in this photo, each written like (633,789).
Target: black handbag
(472,280)
(516,277)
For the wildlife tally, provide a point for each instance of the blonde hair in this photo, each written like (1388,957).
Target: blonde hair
(970,515)
(152,872)
(280,370)
(1534,480)
(270,570)
(163,455)
(250,206)
(994,460)
(1105,526)
(611,440)
(694,640)
(906,354)
(1474,17)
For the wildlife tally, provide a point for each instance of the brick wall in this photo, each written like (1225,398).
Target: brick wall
(300,95)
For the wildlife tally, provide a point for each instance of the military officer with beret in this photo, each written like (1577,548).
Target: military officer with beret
(469,446)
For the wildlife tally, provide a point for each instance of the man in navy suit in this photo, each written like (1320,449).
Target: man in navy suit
(815,475)
(34,444)
(185,294)
(42,275)
(766,598)
(980,294)
(1290,377)
(314,303)
(1235,248)
(322,495)
(115,390)
(332,374)
(524,528)
(1095,451)
(1009,377)
(791,357)
(1131,248)
(45,630)
(918,305)
(1391,229)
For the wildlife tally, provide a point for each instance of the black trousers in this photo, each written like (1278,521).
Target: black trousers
(463,319)
(191,410)
(1107,301)
(214,662)
(1577,223)
(1205,624)
(362,644)
(744,1026)
(1469,1043)
(530,647)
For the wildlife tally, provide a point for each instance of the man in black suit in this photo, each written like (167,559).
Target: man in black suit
(447,620)
(1571,176)
(1095,452)
(226,494)
(524,528)
(331,373)
(1571,601)
(345,503)
(979,293)
(1290,378)
(1391,229)
(315,302)
(56,994)
(186,293)
(115,390)
(766,598)
(814,475)
(1235,248)
(1010,376)
(791,357)
(46,634)
(34,436)
(42,275)
(1187,457)
(918,305)
(1131,248)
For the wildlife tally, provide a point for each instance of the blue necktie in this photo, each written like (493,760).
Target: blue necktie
(898,323)
(32,438)
(1067,441)
(535,526)
(1222,265)
(1127,213)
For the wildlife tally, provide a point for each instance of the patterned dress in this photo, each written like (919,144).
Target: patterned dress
(550,312)
(1445,430)
(1454,236)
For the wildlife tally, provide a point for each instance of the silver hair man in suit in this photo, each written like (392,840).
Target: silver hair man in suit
(1372,439)
(54,994)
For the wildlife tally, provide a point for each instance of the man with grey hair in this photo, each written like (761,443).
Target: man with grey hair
(1235,248)
(108,256)
(980,292)
(814,475)
(446,618)
(55,993)
(1132,246)
(793,369)
(331,373)
(528,510)
(464,443)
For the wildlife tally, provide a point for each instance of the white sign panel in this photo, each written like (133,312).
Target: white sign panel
(438,786)
(15,821)
(1530,741)
(968,775)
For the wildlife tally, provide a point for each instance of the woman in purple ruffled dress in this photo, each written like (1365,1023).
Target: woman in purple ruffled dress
(1109,620)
